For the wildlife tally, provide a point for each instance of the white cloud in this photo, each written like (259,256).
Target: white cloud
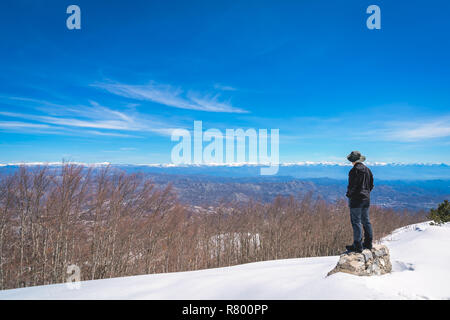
(96,117)
(169,96)
(415,130)
(21,125)
(219,86)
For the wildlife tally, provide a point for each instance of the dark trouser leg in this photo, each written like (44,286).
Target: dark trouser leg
(355,218)
(368,232)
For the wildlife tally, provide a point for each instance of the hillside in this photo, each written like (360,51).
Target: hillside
(413,195)
(419,255)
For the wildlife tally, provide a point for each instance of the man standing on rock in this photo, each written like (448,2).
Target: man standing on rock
(360,184)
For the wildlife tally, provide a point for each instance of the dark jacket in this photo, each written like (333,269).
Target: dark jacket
(360,183)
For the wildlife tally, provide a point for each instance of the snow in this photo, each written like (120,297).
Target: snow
(55,164)
(419,253)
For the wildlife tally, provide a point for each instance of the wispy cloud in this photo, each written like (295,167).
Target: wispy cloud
(21,125)
(222,87)
(110,134)
(102,121)
(170,96)
(411,131)
(348,128)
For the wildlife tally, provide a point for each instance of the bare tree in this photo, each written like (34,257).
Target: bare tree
(114,224)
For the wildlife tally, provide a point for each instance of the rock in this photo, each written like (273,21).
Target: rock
(367,255)
(368,263)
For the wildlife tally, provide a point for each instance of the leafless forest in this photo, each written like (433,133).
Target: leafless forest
(113,224)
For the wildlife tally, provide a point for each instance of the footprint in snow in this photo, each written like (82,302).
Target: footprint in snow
(403,266)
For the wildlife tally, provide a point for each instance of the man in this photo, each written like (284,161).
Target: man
(360,184)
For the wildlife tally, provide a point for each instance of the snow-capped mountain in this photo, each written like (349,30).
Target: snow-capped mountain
(301,170)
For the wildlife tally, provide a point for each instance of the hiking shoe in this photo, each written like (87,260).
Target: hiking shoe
(352,248)
(367,246)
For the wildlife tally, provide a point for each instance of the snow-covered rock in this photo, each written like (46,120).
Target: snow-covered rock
(420,270)
(368,263)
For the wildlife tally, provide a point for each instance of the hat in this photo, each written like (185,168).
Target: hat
(356,156)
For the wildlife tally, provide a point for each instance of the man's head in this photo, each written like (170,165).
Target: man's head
(355,157)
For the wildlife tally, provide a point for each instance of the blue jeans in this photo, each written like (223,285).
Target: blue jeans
(358,217)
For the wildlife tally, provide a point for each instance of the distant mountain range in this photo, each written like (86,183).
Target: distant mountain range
(398,186)
(300,170)
(306,170)
(202,190)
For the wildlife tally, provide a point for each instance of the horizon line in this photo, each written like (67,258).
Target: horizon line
(232,164)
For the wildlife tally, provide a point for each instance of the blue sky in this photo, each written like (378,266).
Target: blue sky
(113,90)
